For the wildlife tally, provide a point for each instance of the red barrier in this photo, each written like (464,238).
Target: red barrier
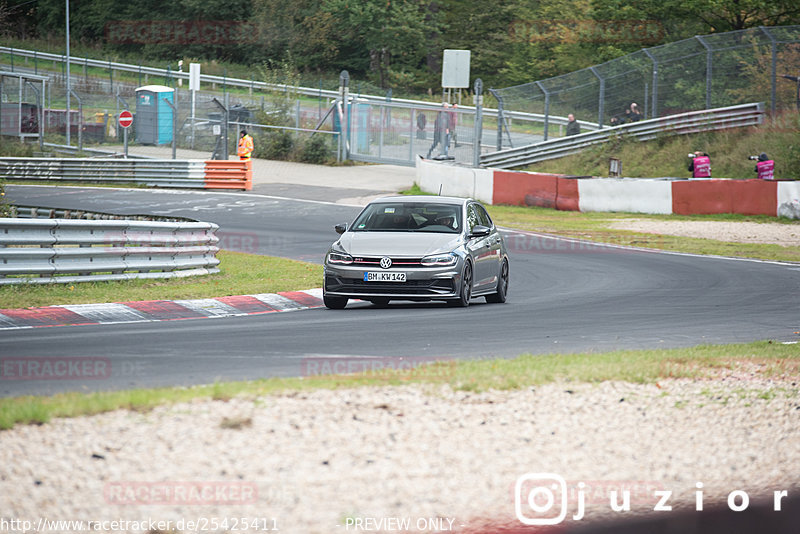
(701,197)
(747,197)
(229,174)
(755,197)
(524,189)
(568,198)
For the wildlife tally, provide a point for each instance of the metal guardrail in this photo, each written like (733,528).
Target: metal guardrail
(39,212)
(151,172)
(67,251)
(684,123)
(66,149)
(256,85)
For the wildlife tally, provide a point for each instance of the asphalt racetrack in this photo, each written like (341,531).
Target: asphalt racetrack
(565,296)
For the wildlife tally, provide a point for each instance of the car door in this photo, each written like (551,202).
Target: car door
(480,247)
(494,258)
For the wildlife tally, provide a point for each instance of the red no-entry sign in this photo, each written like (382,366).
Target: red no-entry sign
(125,118)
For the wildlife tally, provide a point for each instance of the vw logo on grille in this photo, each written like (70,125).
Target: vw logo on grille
(386,262)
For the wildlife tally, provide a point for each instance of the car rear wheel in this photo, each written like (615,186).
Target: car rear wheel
(334,303)
(466,288)
(502,286)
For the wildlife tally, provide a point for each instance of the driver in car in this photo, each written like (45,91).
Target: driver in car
(446,220)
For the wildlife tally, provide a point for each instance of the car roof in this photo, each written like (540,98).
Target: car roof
(423,198)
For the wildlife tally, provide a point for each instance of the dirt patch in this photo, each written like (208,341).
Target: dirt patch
(787,235)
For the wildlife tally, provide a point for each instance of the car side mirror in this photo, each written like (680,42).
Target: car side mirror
(480,231)
(340,228)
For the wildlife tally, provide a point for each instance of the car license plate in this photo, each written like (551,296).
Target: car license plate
(384,277)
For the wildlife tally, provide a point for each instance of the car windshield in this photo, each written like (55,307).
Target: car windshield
(409,217)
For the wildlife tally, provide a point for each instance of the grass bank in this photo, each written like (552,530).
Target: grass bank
(241,274)
(666,156)
(767,359)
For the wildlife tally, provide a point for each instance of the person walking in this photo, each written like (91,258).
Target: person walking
(700,167)
(245,147)
(573,128)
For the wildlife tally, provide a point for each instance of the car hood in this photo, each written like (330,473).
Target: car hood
(409,244)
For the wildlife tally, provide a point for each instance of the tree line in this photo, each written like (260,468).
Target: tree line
(391,43)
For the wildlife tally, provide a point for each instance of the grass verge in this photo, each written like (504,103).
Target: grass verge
(241,274)
(597,227)
(764,358)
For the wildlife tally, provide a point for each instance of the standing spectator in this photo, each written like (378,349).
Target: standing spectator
(245,147)
(441,131)
(422,121)
(573,128)
(700,167)
(765,167)
(453,117)
(635,114)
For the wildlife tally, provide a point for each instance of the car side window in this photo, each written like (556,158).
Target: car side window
(472,218)
(483,216)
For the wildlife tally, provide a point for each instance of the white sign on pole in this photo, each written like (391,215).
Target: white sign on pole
(455,69)
(194,76)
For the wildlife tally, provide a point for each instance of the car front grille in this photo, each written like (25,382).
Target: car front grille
(397,263)
(357,286)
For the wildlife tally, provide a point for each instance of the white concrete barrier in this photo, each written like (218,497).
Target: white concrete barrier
(625,194)
(454,180)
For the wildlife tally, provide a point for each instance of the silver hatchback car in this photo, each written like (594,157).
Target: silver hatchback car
(417,248)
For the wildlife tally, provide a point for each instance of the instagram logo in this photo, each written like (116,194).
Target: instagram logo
(537,493)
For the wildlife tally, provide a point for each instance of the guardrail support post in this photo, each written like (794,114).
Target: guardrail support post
(654,112)
(546,108)
(478,133)
(709,66)
(773,46)
(344,126)
(174,109)
(224,132)
(80,119)
(601,97)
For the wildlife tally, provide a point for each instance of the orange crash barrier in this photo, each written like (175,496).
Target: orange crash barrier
(229,174)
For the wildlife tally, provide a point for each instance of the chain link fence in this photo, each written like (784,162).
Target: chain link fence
(702,72)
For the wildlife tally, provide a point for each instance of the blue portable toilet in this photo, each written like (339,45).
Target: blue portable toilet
(153,115)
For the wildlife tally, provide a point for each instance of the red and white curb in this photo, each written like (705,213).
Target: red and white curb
(159,310)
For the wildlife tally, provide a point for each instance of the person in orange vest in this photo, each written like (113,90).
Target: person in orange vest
(700,167)
(245,148)
(765,167)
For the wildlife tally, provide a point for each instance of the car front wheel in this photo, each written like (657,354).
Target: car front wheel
(502,286)
(334,303)
(466,288)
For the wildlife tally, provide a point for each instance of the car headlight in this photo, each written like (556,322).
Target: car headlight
(440,260)
(339,258)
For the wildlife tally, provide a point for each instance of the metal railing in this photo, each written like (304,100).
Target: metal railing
(67,251)
(263,86)
(151,172)
(684,123)
(39,212)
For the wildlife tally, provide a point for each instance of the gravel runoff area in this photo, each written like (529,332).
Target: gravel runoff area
(787,235)
(442,460)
